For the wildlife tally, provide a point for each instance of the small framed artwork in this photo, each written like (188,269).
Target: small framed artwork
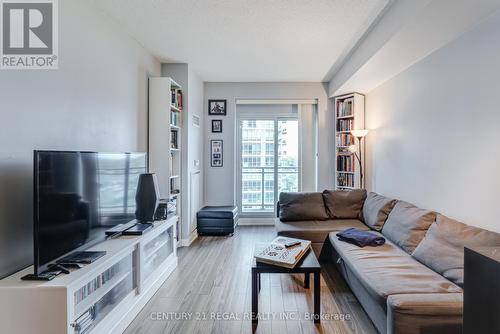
(216,125)
(216,154)
(217,107)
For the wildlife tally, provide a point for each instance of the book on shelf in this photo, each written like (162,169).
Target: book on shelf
(345,180)
(345,125)
(174,144)
(175,119)
(345,163)
(345,107)
(276,253)
(345,139)
(176,98)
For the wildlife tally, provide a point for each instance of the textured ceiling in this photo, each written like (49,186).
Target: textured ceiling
(247,40)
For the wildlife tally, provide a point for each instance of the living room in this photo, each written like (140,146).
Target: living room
(154,153)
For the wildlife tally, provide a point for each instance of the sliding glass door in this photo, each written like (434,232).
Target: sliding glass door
(269,163)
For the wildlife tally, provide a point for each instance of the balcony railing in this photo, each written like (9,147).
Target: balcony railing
(258,187)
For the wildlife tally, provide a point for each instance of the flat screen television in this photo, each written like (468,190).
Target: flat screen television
(78,196)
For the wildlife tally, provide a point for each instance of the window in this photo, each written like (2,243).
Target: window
(262,142)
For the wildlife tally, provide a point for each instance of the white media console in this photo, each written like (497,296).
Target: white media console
(108,293)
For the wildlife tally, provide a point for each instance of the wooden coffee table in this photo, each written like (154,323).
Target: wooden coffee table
(308,265)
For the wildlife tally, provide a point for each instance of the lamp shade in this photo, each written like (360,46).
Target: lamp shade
(359,133)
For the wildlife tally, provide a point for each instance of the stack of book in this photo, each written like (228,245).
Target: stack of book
(277,253)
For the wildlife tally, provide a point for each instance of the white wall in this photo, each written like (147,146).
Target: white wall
(435,138)
(97,100)
(220,182)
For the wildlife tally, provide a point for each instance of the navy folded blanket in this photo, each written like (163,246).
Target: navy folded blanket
(360,238)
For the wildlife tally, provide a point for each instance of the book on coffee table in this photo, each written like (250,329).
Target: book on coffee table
(276,253)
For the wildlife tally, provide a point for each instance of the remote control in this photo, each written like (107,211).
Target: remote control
(292,243)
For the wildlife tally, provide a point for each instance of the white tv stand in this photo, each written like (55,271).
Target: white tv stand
(113,289)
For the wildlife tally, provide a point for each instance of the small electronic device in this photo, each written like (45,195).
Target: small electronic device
(162,211)
(74,265)
(120,228)
(292,244)
(84,257)
(138,229)
(45,276)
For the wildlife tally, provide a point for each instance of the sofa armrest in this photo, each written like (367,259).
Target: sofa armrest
(277,209)
(425,313)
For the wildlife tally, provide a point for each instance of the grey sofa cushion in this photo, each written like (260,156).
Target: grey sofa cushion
(407,224)
(315,230)
(302,206)
(341,204)
(388,270)
(376,209)
(425,313)
(443,246)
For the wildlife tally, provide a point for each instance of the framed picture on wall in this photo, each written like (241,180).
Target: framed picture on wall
(216,154)
(216,125)
(217,107)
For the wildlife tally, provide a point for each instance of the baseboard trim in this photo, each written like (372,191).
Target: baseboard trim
(256,221)
(190,240)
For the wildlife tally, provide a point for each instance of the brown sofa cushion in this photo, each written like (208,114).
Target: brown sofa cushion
(376,209)
(341,204)
(302,206)
(407,225)
(443,246)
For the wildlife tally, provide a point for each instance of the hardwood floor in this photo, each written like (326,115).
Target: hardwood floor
(210,292)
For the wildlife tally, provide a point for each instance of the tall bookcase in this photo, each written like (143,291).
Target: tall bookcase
(349,115)
(164,140)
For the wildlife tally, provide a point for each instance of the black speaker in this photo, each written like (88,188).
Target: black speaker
(147,198)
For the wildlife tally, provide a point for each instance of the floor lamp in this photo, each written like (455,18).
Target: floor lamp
(360,135)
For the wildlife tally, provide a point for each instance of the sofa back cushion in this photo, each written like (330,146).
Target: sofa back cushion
(442,249)
(407,224)
(342,204)
(302,206)
(376,209)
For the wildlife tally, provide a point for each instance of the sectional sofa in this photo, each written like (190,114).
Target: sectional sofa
(411,284)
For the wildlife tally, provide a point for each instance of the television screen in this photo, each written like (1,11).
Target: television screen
(78,196)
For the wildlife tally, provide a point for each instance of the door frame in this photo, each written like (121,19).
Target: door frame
(275,117)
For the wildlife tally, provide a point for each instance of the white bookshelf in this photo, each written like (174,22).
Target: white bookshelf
(132,270)
(349,115)
(164,138)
